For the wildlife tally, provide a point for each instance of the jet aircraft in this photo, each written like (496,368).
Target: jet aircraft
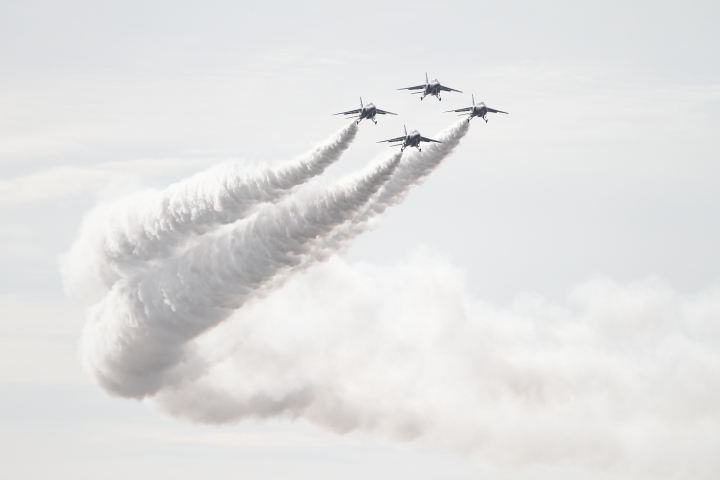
(411,140)
(368,111)
(430,88)
(479,110)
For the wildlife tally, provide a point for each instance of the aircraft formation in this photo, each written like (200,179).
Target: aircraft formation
(413,139)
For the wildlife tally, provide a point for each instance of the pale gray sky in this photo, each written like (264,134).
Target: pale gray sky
(607,166)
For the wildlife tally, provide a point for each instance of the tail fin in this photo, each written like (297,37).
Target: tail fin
(473,97)
(426,79)
(361,105)
(405,130)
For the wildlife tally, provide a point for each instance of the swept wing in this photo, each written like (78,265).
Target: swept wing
(423,139)
(448,89)
(350,112)
(377,110)
(413,88)
(460,110)
(495,111)
(398,139)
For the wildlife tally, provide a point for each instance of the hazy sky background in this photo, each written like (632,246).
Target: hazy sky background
(606,166)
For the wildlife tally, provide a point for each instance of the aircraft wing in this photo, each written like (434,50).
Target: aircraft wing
(460,110)
(423,139)
(384,112)
(495,111)
(412,88)
(351,112)
(448,89)
(398,139)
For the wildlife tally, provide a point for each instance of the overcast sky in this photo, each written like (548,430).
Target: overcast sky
(606,170)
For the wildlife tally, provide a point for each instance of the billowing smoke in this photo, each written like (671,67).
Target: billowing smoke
(623,379)
(156,313)
(177,274)
(204,315)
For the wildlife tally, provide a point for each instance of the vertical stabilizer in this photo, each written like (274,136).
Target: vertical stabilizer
(361,105)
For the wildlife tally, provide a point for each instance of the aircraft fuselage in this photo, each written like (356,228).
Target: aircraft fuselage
(479,111)
(433,88)
(369,111)
(412,140)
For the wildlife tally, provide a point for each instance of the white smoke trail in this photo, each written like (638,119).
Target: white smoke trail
(121,237)
(138,332)
(615,379)
(136,340)
(412,171)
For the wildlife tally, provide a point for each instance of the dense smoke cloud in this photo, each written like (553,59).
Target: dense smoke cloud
(193,320)
(619,378)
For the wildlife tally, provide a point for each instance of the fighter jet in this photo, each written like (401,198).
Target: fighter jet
(479,110)
(412,140)
(368,112)
(430,88)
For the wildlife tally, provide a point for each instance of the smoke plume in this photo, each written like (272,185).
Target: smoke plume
(204,315)
(138,337)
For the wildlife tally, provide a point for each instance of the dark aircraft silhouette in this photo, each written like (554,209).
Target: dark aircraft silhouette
(369,111)
(430,88)
(411,140)
(479,110)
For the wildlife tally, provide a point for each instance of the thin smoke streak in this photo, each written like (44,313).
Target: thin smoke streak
(414,168)
(124,236)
